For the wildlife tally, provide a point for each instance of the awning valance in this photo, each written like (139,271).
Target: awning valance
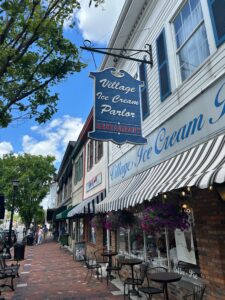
(57,211)
(199,166)
(64,214)
(87,205)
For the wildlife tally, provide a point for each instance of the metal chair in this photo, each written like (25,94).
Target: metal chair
(150,290)
(92,266)
(99,258)
(138,280)
(197,293)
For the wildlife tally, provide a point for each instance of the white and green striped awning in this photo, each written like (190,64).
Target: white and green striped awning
(200,166)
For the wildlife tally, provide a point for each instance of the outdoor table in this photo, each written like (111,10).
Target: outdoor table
(109,254)
(131,262)
(165,277)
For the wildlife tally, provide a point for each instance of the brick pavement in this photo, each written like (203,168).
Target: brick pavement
(49,272)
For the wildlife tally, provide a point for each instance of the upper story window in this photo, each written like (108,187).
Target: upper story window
(98,150)
(90,154)
(78,169)
(191,40)
(144,90)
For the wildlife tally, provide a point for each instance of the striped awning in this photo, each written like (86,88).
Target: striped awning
(88,205)
(199,166)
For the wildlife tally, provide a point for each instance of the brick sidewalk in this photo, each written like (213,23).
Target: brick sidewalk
(49,272)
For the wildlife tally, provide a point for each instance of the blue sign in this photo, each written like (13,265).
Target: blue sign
(117,114)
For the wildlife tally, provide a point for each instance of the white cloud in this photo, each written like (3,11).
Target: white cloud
(5,148)
(97,24)
(54,137)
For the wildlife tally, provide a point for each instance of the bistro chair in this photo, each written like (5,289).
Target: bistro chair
(138,279)
(197,293)
(151,290)
(92,266)
(99,258)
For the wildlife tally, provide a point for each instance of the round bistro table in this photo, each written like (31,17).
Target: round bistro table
(109,254)
(131,262)
(165,278)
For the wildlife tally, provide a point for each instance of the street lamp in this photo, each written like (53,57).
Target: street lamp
(15,184)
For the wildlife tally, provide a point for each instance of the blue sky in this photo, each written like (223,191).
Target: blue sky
(76,93)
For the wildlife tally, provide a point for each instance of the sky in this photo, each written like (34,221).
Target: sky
(75,93)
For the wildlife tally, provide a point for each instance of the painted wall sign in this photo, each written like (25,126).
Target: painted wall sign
(96,180)
(117,114)
(194,123)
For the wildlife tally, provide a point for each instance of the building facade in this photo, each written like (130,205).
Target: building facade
(183,119)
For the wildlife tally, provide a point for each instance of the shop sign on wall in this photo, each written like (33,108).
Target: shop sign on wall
(96,180)
(117,109)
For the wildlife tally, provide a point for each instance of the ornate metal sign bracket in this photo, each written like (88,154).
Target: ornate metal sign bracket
(121,52)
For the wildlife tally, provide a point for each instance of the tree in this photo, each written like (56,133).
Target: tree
(34,174)
(34,55)
(97,2)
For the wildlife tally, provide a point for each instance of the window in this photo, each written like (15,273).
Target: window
(90,150)
(79,230)
(78,169)
(98,150)
(191,40)
(164,79)
(131,241)
(144,91)
(91,233)
(217,9)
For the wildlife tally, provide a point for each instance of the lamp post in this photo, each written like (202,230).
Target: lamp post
(15,184)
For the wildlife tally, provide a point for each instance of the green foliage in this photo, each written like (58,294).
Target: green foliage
(35,174)
(97,2)
(34,55)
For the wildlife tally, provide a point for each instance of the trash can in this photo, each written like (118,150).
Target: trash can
(19,251)
(30,240)
(64,239)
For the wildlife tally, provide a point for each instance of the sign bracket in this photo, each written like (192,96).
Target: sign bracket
(122,52)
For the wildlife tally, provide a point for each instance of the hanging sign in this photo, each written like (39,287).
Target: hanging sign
(117,115)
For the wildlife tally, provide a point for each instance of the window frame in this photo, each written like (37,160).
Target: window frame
(209,32)
(78,172)
(90,155)
(98,152)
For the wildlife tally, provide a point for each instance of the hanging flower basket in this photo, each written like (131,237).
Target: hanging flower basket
(158,216)
(98,221)
(124,219)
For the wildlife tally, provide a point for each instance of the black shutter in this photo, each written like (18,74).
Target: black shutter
(217,12)
(144,91)
(164,79)
(2,207)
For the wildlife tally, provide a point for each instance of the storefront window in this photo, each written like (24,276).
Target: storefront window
(91,233)
(80,230)
(131,241)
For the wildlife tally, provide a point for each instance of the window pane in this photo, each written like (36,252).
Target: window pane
(123,240)
(192,46)
(195,51)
